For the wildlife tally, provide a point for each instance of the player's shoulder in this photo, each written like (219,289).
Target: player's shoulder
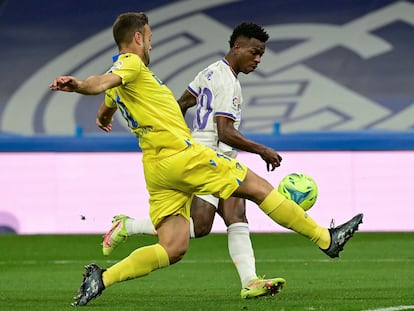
(220,66)
(126,60)
(130,58)
(216,71)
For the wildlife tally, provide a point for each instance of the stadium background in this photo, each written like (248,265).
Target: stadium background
(333,93)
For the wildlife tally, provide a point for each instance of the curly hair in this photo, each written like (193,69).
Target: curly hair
(248,30)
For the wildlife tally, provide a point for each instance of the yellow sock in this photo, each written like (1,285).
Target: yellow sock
(139,263)
(290,215)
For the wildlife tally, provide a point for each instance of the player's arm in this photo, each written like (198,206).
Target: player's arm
(187,100)
(92,85)
(232,137)
(105,117)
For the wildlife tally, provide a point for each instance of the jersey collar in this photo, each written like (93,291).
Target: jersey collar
(228,64)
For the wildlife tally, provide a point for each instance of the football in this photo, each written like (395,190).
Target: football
(300,188)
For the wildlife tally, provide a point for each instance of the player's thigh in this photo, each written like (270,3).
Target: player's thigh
(173,235)
(203,210)
(167,203)
(254,188)
(232,210)
(164,199)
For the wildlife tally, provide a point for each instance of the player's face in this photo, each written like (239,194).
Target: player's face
(147,45)
(250,54)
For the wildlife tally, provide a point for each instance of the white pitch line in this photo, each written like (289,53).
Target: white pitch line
(208,261)
(396,308)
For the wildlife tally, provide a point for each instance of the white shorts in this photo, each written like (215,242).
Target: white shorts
(210,199)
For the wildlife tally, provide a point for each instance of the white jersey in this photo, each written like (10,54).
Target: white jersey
(218,93)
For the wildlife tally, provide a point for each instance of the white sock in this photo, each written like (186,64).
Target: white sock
(145,226)
(139,226)
(241,251)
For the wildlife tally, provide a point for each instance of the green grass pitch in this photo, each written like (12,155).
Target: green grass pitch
(375,272)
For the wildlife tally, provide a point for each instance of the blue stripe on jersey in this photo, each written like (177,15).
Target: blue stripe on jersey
(225,114)
(192,91)
(227,63)
(115,57)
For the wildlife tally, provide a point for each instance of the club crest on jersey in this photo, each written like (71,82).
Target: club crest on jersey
(236,103)
(209,75)
(117,65)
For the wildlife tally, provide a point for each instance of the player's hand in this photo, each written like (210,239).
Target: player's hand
(271,157)
(106,128)
(65,84)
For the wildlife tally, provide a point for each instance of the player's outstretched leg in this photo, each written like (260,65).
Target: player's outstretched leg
(290,215)
(341,234)
(92,285)
(262,287)
(115,235)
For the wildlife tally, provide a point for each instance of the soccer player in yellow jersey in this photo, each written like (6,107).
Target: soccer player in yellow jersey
(175,166)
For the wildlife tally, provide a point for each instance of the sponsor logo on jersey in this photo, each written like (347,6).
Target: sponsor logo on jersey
(236,103)
(117,65)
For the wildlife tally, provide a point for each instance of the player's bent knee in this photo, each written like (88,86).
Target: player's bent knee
(202,229)
(233,210)
(202,223)
(232,220)
(174,237)
(175,251)
(254,188)
(202,213)
(176,257)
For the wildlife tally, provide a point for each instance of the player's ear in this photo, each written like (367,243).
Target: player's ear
(237,46)
(138,37)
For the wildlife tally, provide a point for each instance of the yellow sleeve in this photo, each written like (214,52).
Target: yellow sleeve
(128,66)
(110,98)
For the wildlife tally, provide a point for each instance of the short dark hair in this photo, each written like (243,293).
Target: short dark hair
(248,30)
(126,25)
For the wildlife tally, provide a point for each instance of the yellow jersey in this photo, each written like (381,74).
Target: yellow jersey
(149,108)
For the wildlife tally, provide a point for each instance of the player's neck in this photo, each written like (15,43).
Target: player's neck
(131,48)
(229,61)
